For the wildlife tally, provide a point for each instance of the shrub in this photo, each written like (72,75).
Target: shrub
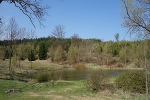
(65,67)
(22,57)
(131,81)
(112,62)
(96,80)
(43,77)
(13,61)
(7,54)
(3,58)
(119,65)
(137,64)
(80,66)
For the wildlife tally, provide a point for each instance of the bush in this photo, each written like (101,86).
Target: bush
(119,65)
(131,81)
(22,57)
(137,64)
(13,61)
(96,80)
(43,77)
(80,66)
(7,54)
(112,62)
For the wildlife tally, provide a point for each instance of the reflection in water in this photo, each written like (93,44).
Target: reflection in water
(71,75)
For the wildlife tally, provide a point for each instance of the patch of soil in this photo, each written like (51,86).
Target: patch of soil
(69,89)
(33,94)
(57,97)
(51,92)
(86,98)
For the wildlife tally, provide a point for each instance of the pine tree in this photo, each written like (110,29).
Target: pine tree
(31,56)
(42,51)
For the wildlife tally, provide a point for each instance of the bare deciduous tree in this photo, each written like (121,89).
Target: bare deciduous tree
(12,34)
(136,16)
(58,32)
(31,8)
(75,40)
(1,30)
(22,33)
(31,36)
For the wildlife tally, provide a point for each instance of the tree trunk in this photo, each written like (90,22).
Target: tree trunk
(20,53)
(31,53)
(31,58)
(10,61)
(107,55)
(125,55)
(15,54)
(146,72)
(10,55)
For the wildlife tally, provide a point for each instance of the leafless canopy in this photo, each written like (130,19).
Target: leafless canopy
(13,29)
(1,30)
(136,15)
(21,33)
(31,8)
(75,40)
(58,32)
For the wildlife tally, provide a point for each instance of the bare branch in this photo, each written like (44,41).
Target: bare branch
(58,32)
(137,15)
(32,9)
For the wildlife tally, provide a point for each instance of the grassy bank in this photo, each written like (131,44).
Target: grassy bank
(25,71)
(48,65)
(61,90)
(113,67)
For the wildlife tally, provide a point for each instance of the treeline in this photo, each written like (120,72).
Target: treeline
(75,50)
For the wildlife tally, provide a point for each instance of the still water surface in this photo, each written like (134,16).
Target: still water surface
(72,75)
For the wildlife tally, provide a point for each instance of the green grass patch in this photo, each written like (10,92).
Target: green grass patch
(62,90)
(52,90)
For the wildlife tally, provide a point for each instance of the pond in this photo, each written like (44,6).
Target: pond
(72,75)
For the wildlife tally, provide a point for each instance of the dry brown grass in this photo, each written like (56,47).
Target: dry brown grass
(79,66)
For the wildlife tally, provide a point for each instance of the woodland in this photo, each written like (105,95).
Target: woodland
(28,64)
(76,50)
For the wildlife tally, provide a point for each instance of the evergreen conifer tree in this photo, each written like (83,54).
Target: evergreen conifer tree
(42,51)
(31,56)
